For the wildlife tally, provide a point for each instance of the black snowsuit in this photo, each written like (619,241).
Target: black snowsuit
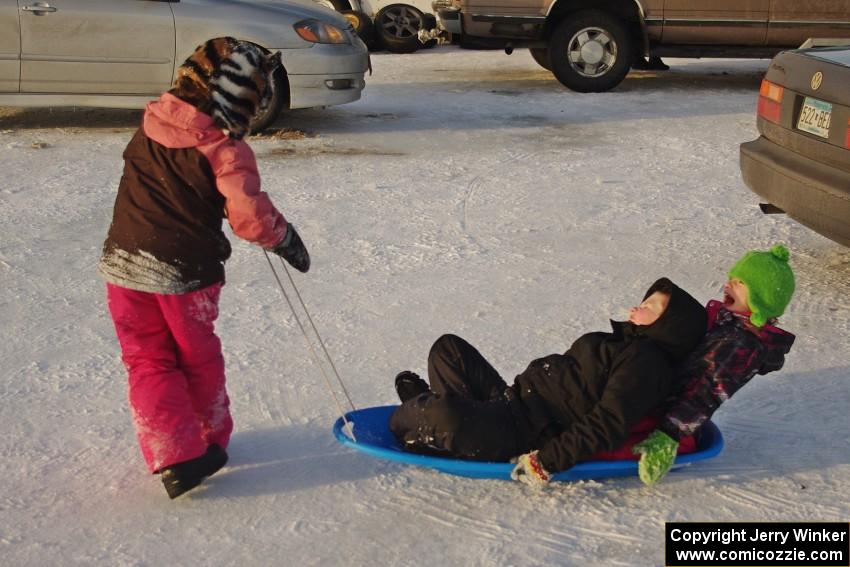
(568,406)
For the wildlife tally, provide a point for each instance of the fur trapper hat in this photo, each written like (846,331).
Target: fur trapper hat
(230,80)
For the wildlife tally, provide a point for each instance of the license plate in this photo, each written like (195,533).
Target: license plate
(814,117)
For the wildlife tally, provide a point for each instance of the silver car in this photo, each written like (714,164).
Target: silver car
(123,53)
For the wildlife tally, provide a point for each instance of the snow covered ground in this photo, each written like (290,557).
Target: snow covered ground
(467,192)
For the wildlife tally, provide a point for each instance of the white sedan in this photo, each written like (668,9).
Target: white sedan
(123,53)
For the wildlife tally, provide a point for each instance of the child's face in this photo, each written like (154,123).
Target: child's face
(650,309)
(736,295)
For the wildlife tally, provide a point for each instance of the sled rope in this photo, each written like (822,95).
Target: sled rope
(316,358)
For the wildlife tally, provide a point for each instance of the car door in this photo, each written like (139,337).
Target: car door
(794,21)
(653,14)
(724,22)
(484,17)
(10,47)
(96,46)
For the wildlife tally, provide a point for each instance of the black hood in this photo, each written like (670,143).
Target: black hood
(682,325)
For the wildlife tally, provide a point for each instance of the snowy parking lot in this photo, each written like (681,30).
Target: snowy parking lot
(467,192)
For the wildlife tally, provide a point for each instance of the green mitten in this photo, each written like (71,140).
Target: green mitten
(657,453)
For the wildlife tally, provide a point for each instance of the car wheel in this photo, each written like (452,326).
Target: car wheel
(541,56)
(590,51)
(362,24)
(397,27)
(280,101)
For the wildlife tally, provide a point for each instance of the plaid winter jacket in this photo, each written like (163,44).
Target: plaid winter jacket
(733,351)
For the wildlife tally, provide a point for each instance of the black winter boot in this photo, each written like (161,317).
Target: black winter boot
(408,385)
(183,477)
(656,64)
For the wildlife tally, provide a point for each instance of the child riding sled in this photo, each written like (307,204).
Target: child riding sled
(742,340)
(564,407)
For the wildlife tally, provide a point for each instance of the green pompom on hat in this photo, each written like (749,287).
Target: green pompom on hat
(769,280)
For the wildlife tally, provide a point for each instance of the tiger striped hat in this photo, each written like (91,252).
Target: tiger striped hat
(230,80)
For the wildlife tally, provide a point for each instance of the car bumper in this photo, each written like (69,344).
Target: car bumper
(324,75)
(308,91)
(812,193)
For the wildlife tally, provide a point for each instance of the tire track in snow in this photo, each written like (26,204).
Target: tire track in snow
(475,184)
(760,501)
(471,188)
(603,534)
(707,470)
(578,538)
(762,427)
(451,512)
(442,507)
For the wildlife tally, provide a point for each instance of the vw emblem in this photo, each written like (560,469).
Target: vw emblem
(817,80)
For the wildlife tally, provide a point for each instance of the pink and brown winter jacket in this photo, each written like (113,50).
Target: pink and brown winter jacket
(182,176)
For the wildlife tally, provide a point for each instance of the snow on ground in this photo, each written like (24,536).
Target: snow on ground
(467,192)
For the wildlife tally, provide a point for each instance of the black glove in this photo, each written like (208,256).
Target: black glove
(293,251)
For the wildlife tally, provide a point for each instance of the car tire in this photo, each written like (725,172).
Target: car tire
(397,26)
(541,56)
(591,51)
(279,102)
(362,24)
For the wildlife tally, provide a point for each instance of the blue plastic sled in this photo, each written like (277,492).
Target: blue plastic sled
(371,428)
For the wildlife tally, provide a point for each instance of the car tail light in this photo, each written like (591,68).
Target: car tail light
(770,101)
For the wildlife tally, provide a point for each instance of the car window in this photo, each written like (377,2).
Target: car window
(840,55)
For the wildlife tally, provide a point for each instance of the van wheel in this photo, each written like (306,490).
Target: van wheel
(541,56)
(397,26)
(279,102)
(590,51)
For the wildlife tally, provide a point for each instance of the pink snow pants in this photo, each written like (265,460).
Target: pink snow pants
(176,371)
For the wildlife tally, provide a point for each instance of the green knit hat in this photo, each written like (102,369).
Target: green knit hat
(769,281)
